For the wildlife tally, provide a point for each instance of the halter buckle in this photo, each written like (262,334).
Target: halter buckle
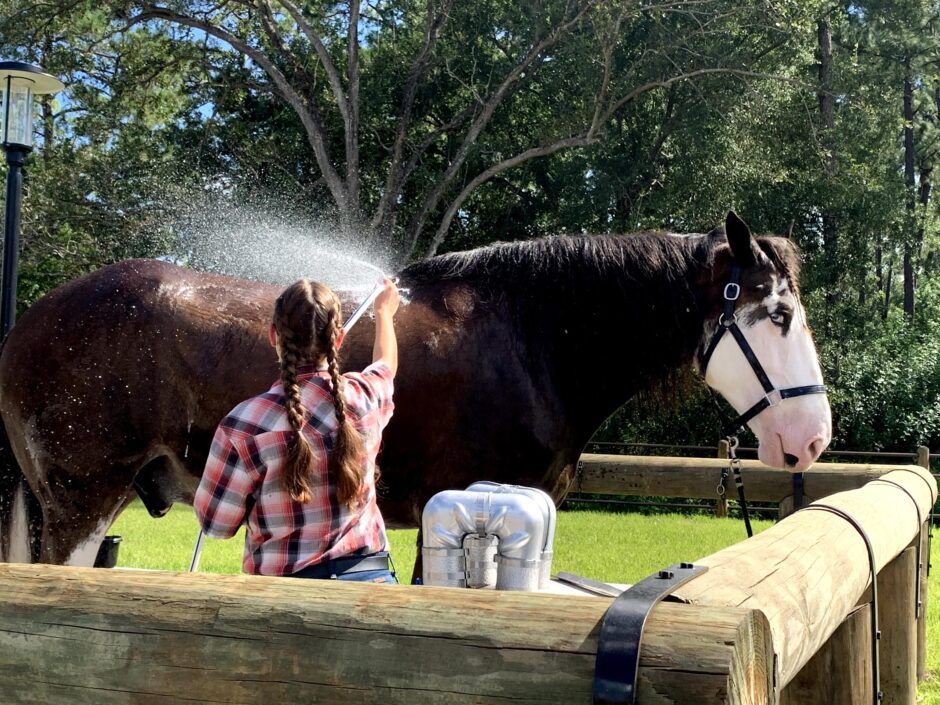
(732,291)
(727,321)
(773,397)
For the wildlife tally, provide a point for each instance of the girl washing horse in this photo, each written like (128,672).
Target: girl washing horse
(296,464)
(511,356)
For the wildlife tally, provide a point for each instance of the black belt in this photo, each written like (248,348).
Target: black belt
(347,564)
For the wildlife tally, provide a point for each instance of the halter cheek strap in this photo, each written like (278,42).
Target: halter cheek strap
(728,322)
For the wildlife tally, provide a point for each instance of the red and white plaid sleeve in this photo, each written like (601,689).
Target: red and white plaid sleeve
(221,501)
(375,386)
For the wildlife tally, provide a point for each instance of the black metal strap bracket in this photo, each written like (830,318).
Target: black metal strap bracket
(588,585)
(798,487)
(877,694)
(618,644)
(918,602)
(930,517)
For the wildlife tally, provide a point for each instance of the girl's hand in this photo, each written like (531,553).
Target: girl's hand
(387,302)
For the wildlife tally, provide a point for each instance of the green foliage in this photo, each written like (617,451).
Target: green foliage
(603,545)
(886,379)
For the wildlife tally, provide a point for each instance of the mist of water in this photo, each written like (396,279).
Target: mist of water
(266,241)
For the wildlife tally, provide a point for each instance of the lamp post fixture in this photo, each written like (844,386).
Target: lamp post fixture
(19,82)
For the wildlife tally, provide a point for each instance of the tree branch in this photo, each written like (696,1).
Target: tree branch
(665,83)
(532,57)
(589,136)
(352,123)
(332,74)
(544,151)
(309,114)
(396,175)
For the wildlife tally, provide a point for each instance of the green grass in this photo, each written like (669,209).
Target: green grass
(606,546)
(613,547)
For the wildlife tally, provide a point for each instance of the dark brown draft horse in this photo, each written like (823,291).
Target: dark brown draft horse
(511,357)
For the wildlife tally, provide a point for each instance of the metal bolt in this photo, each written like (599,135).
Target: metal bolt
(666,574)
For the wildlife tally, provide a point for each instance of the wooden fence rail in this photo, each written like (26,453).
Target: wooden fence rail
(756,619)
(697,478)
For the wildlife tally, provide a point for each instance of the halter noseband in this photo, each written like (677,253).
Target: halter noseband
(728,321)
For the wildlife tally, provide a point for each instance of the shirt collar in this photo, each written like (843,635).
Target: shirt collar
(311,369)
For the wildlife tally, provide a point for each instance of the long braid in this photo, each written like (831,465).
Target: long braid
(296,341)
(347,459)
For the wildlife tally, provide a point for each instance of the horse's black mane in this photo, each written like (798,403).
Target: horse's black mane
(566,257)
(579,259)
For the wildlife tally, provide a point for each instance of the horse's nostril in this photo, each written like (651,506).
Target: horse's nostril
(815,448)
(790,460)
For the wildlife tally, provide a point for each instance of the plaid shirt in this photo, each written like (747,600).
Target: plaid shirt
(242,480)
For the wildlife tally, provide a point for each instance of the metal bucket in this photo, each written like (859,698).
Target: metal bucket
(549,517)
(460,530)
(108,552)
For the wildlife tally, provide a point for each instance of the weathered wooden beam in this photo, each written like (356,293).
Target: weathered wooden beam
(923,459)
(897,622)
(108,637)
(924,601)
(807,573)
(696,478)
(840,672)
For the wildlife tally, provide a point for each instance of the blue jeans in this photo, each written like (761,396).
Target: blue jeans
(374,568)
(370,576)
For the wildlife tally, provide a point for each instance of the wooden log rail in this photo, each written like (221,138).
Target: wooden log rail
(104,637)
(696,478)
(758,616)
(807,573)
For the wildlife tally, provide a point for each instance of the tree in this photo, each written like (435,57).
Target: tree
(405,105)
(103,149)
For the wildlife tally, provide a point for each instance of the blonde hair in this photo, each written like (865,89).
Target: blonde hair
(307,320)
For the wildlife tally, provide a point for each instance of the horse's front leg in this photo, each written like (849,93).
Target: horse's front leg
(78,514)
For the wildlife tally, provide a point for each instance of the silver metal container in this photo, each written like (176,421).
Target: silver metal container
(480,554)
(514,521)
(549,517)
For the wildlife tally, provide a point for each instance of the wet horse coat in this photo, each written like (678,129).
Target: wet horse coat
(510,358)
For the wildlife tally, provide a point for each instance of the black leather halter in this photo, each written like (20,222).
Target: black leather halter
(728,321)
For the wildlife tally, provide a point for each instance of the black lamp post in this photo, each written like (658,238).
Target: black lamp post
(19,82)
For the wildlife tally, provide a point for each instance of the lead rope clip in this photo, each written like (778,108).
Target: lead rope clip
(734,467)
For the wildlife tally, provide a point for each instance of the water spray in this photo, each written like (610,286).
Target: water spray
(350,322)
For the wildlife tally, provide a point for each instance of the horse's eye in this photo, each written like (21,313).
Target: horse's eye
(776,317)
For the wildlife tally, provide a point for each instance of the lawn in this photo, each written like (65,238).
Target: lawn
(606,546)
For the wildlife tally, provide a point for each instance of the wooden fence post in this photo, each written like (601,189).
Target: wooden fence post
(897,621)
(840,672)
(721,505)
(923,459)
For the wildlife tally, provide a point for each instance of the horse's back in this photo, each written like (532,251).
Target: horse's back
(124,352)
(115,293)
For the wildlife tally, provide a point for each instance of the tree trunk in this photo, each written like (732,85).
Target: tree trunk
(827,109)
(45,102)
(884,312)
(911,202)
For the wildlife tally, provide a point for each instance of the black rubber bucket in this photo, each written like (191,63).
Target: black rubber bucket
(108,552)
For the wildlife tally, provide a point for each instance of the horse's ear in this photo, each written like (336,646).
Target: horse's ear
(740,240)
(788,233)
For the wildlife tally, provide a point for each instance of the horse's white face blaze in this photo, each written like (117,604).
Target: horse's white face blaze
(776,329)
